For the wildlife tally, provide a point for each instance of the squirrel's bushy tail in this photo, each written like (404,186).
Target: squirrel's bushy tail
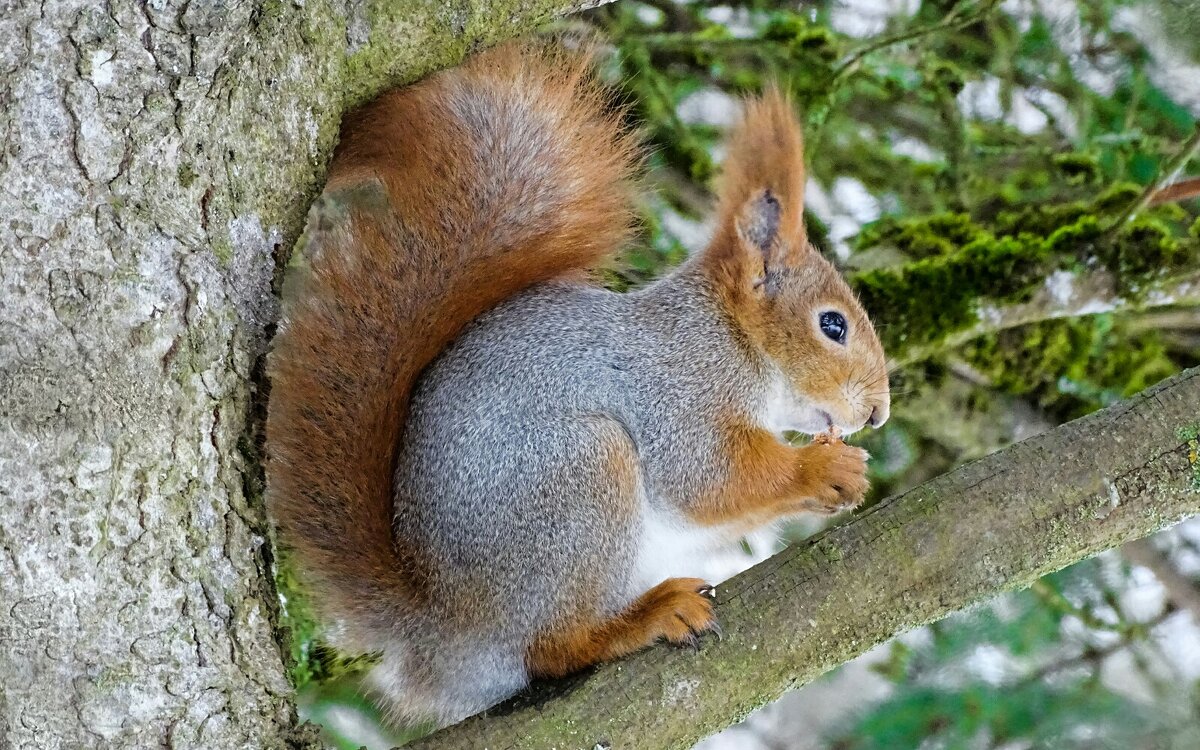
(444,199)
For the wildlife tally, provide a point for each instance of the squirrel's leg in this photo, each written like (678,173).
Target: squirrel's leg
(676,610)
(766,479)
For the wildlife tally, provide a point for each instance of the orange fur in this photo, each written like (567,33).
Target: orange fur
(766,152)
(769,479)
(434,213)
(413,238)
(676,610)
(774,291)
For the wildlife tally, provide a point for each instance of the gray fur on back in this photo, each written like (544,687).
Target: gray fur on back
(509,434)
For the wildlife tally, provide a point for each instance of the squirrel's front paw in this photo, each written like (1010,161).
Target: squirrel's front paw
(835,477)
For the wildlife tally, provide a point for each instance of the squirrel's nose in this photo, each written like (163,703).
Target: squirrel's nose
(878,416)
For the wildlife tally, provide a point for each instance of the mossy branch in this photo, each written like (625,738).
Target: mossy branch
(1081,293)
(957,18)
(996,524)
(407,40)
(964,279)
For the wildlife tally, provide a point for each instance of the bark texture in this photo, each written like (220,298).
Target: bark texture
(156,160)
(995,524)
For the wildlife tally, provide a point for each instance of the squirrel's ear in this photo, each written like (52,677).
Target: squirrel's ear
(761,196)
(757,227)
(758,221)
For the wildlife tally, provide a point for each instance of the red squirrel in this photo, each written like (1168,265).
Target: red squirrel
(489,470)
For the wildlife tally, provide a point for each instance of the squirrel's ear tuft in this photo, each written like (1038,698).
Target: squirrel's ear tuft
(761,194)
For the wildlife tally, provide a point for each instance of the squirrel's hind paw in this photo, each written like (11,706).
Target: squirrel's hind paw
(678,610)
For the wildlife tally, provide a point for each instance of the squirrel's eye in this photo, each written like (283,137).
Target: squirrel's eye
(833,325)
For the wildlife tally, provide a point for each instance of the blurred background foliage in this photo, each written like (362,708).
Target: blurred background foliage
(985,174)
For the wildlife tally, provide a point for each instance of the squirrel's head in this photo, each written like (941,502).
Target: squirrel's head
(787,297)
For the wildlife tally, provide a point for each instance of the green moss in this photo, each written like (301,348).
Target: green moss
(1044,218)
(960,260)
(187,175)
(801,38)
(408,41)
(946,75)
(1146,248)
(1071,367)
(309,658)
(931,298)
(816,44)
(1116,198)
(940,234)
(1039,219)
(1078,168)
(224,252)
(1073,238)
(784,27)
(1190,434)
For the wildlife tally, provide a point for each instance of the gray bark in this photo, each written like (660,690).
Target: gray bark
(995,524)
(156,160)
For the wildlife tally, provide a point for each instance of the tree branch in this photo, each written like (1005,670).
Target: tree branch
(1177,191)
(1068,296)
(1155,188)
(953,20)
(995,524)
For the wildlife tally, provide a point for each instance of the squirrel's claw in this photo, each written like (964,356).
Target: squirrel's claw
(691,641)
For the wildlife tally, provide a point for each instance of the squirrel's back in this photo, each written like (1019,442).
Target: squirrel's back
(444,199)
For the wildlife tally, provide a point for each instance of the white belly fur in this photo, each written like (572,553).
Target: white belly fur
(672,547)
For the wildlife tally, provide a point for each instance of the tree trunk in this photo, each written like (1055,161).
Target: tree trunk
(996,524)
(156,160)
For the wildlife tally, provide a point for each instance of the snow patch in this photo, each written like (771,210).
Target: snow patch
(913,148)
(991,315)
(856,199)
(1061,286)
(862,18)
(737,21)
(709,107)
(693,235)
(1159,298)
(981,99)
(1095,306)
(649,16)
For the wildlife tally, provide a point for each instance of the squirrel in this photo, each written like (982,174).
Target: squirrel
(488,469)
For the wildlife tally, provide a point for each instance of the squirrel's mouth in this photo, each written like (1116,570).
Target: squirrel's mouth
(786,414)
(818,421)
(812,421)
